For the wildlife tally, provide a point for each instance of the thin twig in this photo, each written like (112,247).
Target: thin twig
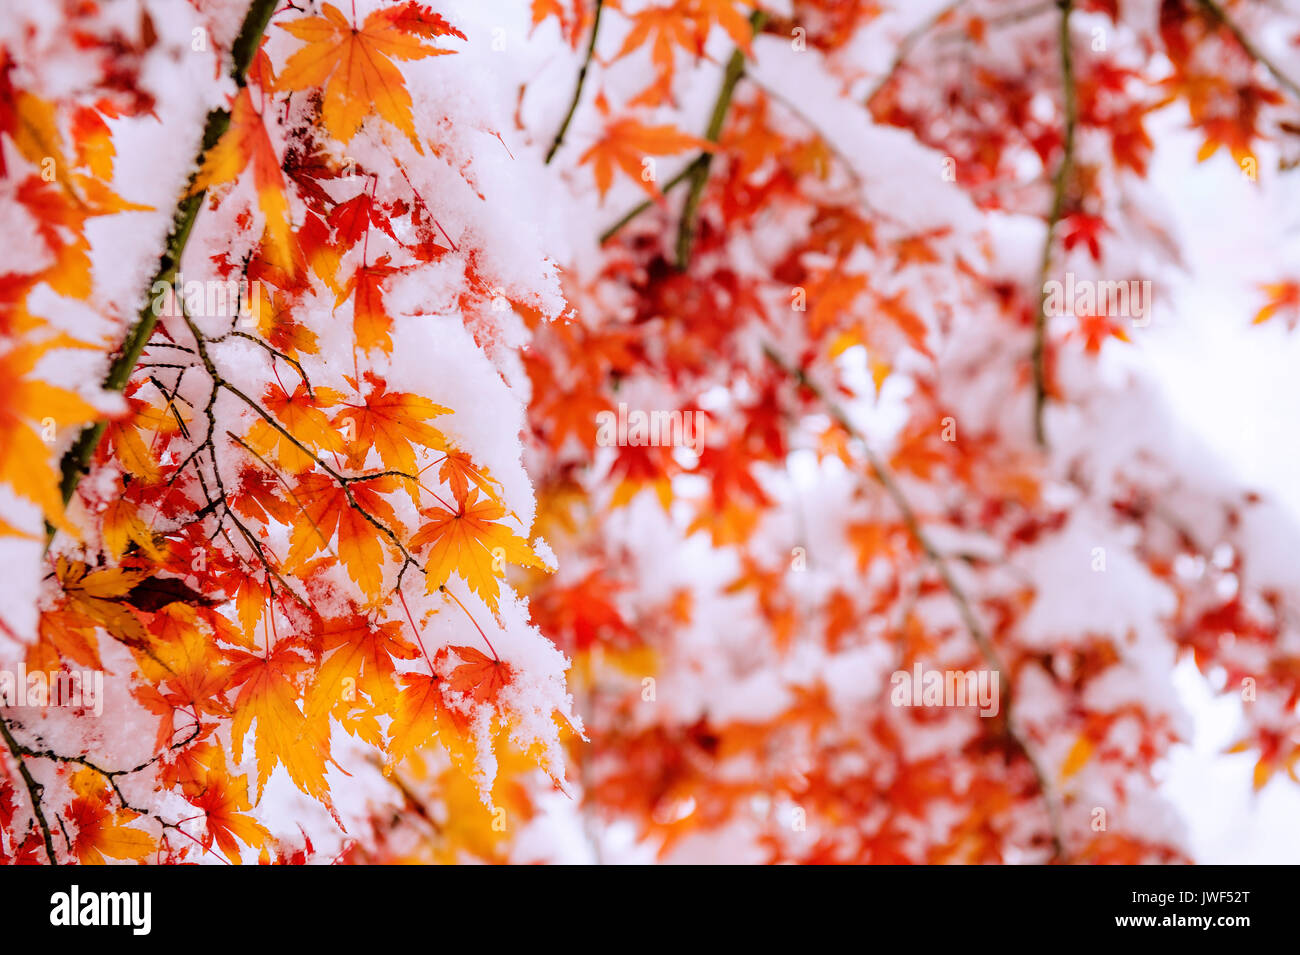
(1061,181)
(698,171)
(936,559)
(648,203)
(1215,10)
(577,90)
(34,790)
(905,47)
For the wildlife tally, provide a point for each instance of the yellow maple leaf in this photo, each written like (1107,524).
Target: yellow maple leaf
(268,695)
(472,543)
(26,405)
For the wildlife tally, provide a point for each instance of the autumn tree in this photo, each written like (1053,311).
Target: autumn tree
(330,332)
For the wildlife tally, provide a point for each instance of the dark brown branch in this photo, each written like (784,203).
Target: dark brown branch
(34,790)
(577,91)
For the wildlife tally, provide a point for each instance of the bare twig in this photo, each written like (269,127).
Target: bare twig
(34,790)
(936,559)
(1216,10)
(905,47)
(577,90)
(1061,181)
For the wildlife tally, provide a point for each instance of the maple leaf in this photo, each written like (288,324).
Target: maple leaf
(1077,757)
(26,404)
(223,800)
(359,650)
(458,471)
(481,677)
(122,527)
(244,145)
(626,145)
(100,830)
(327,511)
(301,415)
(98,595)
(391,422)
(585,612)
(355,64)
(277,326)
(471,543)
(268,694)
(1284,298)
(185,668)
(372,326)
(1083,228)
(133,436)
(422,715)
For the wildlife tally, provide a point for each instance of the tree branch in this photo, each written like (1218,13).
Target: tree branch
(577,91)
(691,171)
(77,459)
(905,47)
(1213,8)
(34,789)
(1038,356)
(936,559)
(698,171)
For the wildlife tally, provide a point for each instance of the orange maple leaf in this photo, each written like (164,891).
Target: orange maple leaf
(302,417)
(244,145)
(422,715)
(372,326)
(26,405)
(391,422)
(328,511)
(1283,297)
(458,471)
(268,695)
(472,544)
(224,802)
(355,64)
(363,652)
(481,677)
(100,830)
(627,144)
